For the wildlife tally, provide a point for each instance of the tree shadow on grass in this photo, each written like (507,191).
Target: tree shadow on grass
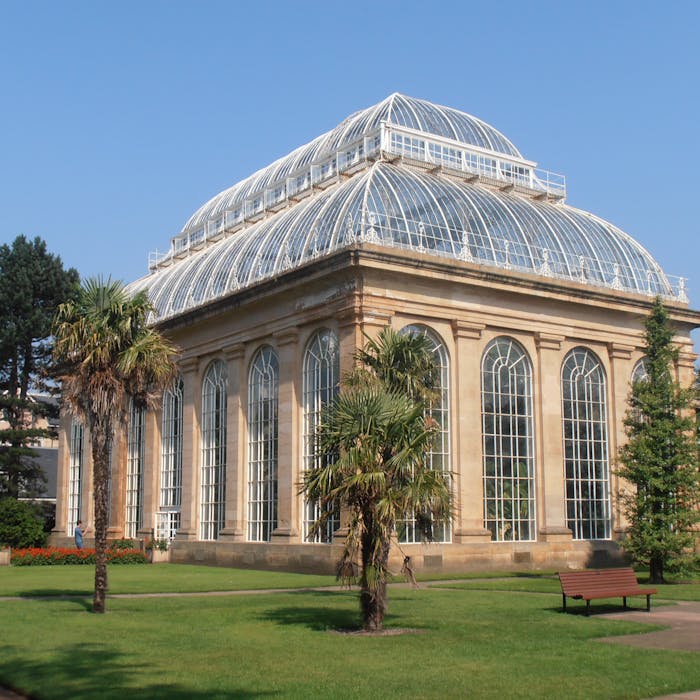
(87,671)
(82,600)
(320,618)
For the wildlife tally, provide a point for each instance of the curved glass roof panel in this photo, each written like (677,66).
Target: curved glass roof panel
(399,207)
(400,110)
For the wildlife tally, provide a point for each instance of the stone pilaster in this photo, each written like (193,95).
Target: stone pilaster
(151,472)
(62,476)
(620,357)
(235,516)
(191,407)
(467,443)
(288,449)
(549,452)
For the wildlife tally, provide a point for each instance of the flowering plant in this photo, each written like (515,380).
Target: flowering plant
(49,556)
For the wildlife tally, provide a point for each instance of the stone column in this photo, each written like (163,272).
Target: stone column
(466,439)
(191,409)
(551,486)
(288,439)
(62,476)
(620,357)
(234,529)
(150,472)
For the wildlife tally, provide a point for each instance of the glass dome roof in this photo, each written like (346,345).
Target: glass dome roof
(394,206)
(399,110)
(403,174)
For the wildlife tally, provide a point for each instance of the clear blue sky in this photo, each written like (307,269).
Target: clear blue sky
(120,119)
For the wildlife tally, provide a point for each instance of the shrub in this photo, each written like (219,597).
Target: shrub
(20,525)
(51,556)
(159,544)
(122,544)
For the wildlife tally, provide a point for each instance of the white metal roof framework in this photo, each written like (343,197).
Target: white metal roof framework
(403,174)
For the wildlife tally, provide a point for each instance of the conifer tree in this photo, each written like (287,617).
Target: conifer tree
(660,458)
(33,283)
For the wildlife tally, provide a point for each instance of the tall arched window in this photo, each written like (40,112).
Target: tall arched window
(170,504)
(75,475)
(439,457)
(213,488)
(136,445)
(586,462)
(321,374)
(508,447)
(263,388)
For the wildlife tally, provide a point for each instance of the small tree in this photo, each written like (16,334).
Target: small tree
(377,436)
(107,354)
(660,458)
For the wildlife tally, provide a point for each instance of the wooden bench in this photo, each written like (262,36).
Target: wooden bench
(593,584)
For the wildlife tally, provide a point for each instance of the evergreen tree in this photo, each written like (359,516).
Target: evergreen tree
(660,459)
(33,283)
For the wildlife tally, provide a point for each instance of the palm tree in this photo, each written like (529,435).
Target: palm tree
(378,435)
(107,353)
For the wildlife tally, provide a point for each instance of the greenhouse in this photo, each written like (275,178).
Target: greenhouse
(429,220)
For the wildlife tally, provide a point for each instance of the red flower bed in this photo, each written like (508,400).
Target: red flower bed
(49,556)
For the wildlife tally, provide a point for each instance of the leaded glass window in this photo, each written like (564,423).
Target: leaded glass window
(136,445)
(75,475)
(321,375)
(213,486)
(170,504)
(508,445)
(439,456)
(263,389)
(586,460)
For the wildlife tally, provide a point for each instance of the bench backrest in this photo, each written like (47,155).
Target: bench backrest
(573,582)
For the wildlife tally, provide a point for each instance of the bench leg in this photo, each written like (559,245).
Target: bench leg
(648,602)
(563,602)
(588,608)
(624,601)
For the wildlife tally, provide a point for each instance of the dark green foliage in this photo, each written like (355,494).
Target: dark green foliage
(32,285)
(660,459)
(20,524)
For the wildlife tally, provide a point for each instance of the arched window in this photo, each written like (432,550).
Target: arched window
(213,488)
(136,445)
(439,457)
(263,388)
(640,373)
(586,462)
(508,446)
(321,375)
(75,475)
(170,505)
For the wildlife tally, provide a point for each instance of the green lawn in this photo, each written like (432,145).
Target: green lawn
(471,643)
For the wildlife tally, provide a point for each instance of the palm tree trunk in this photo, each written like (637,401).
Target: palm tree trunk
(373,582)
(100,461)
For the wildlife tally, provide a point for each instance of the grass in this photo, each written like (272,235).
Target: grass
(161,578)
(471,643)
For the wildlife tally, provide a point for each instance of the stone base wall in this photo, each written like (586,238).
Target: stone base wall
(432,558)
(425,558)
